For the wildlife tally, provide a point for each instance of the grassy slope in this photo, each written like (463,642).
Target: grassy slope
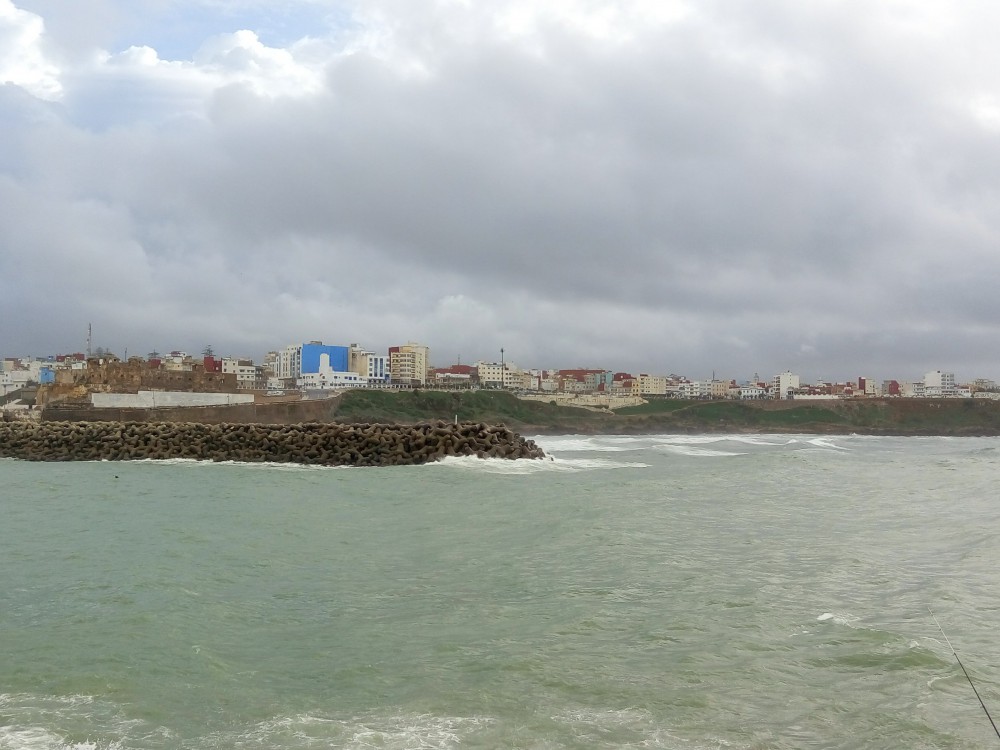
(470,406)
(899,416)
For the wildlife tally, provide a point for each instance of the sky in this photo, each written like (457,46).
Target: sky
(660,186)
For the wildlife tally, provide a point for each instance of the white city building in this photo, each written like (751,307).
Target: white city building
(782,385)
(751,392)
(331,380)
(248,375)
(13,380)
(328,379)
(939,384)
(288,363)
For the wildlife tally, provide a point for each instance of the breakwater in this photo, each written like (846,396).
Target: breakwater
(311,443)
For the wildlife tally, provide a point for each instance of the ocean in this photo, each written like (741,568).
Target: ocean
(681,592)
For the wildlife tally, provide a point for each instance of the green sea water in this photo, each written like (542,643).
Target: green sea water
(634,592)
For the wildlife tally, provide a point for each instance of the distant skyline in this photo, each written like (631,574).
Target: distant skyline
(661,185)
(100,350)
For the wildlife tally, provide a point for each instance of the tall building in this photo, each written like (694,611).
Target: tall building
(295,360)
(783,384)
(939,384)
(408,364)
(368,364)
(288,363)
(313,355)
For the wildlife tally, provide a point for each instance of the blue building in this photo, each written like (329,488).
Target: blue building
(312,357)
(46,376)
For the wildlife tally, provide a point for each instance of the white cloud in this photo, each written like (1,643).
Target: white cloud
(22,59)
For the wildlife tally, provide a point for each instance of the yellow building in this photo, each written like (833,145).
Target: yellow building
(408,364)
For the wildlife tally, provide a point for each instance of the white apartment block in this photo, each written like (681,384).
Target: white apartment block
(782,385)
(693,389)
(248,375)
(939,384)
(288,363)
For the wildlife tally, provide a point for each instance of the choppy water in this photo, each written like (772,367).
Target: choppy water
(635,592)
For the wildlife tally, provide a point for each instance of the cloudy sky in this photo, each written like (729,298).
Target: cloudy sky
(679,186)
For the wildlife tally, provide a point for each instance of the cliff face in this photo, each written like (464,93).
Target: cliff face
(863,416)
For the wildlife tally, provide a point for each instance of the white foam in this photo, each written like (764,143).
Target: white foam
(533,466)
(825,443)
(581,443)
(592,725)
(671,443)
(388,732)
(760,441)
(38,738)
(838,618)
(689,439)
(688,450)
(31,721)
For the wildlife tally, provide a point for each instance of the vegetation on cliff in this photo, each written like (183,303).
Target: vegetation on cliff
(866,416)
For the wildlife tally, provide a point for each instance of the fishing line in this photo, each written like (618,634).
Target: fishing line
(966,672)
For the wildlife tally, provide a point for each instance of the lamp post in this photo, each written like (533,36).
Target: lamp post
(503,368)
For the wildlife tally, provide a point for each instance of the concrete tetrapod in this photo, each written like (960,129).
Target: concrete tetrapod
(325,444)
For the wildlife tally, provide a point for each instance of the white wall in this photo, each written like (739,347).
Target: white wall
(153,399)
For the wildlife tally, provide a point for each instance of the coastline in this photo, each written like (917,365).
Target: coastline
(875,417)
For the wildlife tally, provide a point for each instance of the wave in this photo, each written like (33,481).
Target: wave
(715,445)
(599,728)
(33,722)
(264,465)
(841,618)
(526,466)
(602,443)
(825,443)
(687,450)
(391,732)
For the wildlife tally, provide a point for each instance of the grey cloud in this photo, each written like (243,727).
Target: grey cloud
(753,188)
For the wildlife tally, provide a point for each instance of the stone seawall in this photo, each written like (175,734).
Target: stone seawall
(311,443)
